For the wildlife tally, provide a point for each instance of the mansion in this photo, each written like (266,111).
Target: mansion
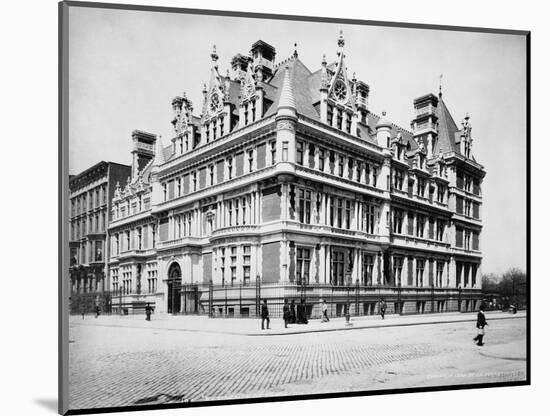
(285,185)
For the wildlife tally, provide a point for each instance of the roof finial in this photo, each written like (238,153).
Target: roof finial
(214,55)
(440,81)
(295,54)
(341,43)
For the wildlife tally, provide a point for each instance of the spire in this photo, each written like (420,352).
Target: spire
(440,82)
(286,100)
(324,74)
(295,54)
(159,152)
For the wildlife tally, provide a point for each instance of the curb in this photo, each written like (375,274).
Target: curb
(251,334)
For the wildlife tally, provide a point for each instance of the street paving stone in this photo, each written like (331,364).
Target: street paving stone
(120,366)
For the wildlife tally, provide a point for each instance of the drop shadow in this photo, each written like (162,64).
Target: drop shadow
(49,404)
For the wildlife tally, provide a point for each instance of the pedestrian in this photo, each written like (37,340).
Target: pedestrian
(148,312)
(97,311)
(286,313)
(480,325)
(265,314)
(83,310)
(292,312)
(302,318)
(382,308)
(324,308)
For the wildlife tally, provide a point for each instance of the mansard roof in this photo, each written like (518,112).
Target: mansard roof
(300,80)
(446,141)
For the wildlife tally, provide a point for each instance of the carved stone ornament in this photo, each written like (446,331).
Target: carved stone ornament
(286,125)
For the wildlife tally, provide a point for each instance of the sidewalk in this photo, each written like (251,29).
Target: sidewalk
(252,327)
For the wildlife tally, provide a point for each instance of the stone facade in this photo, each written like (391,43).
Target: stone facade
(90,198)
(288,180)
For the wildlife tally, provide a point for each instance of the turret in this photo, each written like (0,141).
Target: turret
(286,121)
(383,131)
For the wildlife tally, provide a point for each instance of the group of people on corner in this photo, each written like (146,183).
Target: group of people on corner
(292,313)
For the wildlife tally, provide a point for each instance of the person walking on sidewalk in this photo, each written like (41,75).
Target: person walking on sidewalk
(265,314)
(324,308)
(382,308)
(480,325)
(286,313)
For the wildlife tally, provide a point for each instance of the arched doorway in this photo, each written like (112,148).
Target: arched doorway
(174,288)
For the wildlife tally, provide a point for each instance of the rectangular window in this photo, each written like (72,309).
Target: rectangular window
(368,266)
(246,265)
(337,277)
(233,265)
(304,206)
(195,181)
(348,214)
(440,193)
(420,187)
(368,218)
(321,160)
(339,213)
(230,212)
(419,273)
(329,115)
(397,268)
(303,259)
(341,166)
(164,191)
(222,265)
(299,153)
(439,274)
(285,151)
(397,224)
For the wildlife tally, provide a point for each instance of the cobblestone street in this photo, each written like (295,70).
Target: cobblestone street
(113,364)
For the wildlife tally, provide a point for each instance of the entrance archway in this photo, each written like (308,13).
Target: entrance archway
(174,288)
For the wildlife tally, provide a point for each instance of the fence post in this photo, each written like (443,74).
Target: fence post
(357,297)
(210,296)
(399,298)
(258,294)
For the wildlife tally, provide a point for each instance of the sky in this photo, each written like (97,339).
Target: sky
(126,66)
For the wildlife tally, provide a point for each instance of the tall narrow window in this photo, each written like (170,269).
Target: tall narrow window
(285,151)
(321,160)
(273,146)
(233,265)
(299,153)
(368,266)
(246,265)
(222,265)
(419,273)
(303,259)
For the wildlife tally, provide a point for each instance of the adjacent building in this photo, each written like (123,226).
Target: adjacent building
(90,194)
(288,185)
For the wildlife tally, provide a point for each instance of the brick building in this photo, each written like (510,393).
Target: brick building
(286,186)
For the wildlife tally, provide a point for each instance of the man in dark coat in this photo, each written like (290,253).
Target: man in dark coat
(286,313)
(382,308)
(265,314)
(480,325)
